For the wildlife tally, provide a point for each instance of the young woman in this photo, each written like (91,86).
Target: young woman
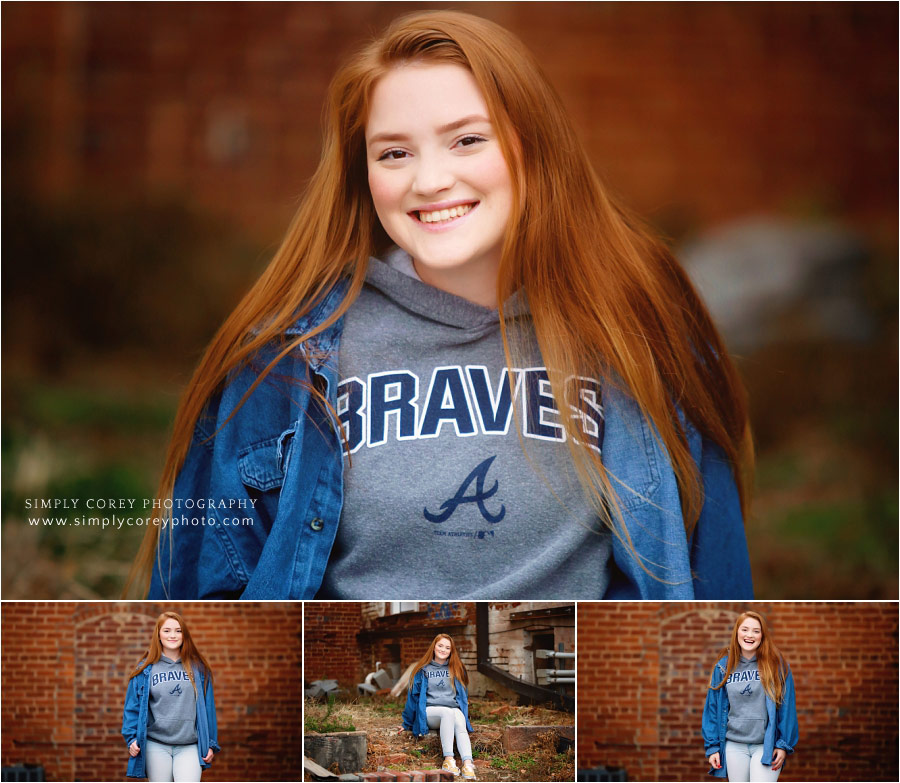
(750,718)
(438,699)
(169,722)
(462,341)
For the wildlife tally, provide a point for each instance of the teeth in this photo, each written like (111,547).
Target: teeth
(445,214)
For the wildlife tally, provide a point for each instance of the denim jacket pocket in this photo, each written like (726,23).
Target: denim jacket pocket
(260,465)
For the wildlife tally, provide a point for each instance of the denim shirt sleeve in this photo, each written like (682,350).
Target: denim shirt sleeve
(715,562)
(131,712)
(787,731)
(211,717)
(710,725)
(463,697)
(720,560)
(412,699)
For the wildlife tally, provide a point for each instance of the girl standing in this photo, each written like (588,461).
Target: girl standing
(462,340)
(750,718)
(169,722)
(438,699)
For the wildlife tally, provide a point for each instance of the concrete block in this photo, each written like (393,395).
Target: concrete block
(347,748)
(395,670)
(517,738)
(383,679)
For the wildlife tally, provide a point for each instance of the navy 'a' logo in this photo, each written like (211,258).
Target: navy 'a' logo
(479,476)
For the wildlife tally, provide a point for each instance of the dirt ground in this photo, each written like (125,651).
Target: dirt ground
(389,748)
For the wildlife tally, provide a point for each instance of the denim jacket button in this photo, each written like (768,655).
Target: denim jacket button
(317,524)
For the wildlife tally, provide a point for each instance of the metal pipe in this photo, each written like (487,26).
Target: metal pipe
(534,693)
(553,654)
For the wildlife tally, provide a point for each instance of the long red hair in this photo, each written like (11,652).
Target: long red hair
(605,296)
(457,669)
(769,660)
(190,655)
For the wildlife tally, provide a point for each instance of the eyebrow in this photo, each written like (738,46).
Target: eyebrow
(450,126)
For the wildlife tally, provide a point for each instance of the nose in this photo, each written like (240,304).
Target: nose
(433,175)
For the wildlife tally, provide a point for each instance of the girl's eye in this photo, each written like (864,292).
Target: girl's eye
(468,141)
(392,155)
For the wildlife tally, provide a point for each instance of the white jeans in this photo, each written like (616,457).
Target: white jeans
(450,721)
(744,762)
(171,762)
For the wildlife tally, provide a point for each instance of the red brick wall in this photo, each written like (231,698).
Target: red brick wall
(643,670)
(335,649)
(329,642)
(709,110)
(65,667)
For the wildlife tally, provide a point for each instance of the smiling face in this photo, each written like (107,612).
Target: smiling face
(442,649)
(749,636)
(171,638)
(439,182)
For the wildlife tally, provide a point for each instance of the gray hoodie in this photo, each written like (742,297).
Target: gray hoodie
(173,705)
(747,717)
(441,691)
(436,474)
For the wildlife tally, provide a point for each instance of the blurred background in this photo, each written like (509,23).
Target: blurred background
(153,155)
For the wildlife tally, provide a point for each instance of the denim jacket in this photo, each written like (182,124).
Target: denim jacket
(277,464)
(136,715)
(781,725)
(414,716)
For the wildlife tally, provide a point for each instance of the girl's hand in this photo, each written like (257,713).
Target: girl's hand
(715,761)
(778,758)
(401,729)
(209,756)
(133,749)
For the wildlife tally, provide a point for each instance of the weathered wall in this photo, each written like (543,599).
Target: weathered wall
(345,640)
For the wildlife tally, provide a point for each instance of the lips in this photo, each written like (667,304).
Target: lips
(442,214)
